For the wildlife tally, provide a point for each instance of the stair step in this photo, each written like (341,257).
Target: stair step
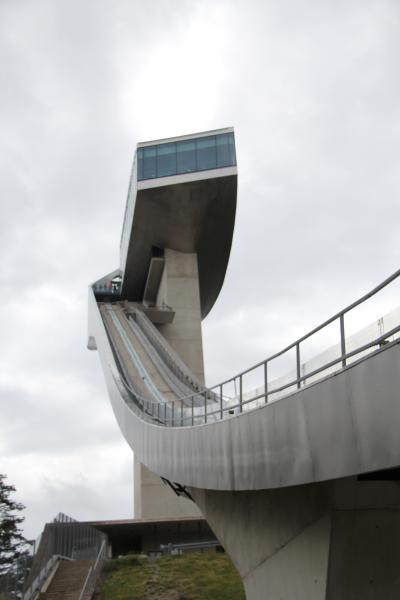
(68,580)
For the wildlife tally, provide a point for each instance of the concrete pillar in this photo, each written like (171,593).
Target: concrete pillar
(326,541)
(277,539)
(153,499)
(179,289)
(364,553)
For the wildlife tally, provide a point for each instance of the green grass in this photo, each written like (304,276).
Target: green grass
(205,576)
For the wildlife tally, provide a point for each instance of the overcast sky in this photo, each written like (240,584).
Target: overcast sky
(312,89)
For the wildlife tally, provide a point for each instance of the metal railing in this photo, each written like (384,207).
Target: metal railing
(44,574)
(66,538)
(218,405)
(189,547)
(94,572)
(12,581)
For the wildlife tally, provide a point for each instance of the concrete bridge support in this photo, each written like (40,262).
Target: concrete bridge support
(327,541)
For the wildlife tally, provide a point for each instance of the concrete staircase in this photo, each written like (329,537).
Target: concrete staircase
(68,580)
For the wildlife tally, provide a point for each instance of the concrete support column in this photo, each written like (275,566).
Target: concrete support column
(153,499)
(179,289)
(325,541)
(364,553)
(277,539)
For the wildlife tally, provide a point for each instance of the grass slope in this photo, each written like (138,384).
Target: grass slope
(205,576)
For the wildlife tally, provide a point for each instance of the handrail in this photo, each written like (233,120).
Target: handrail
(45,572)
(92,571)
(180,414)
(63,537)
(316,329)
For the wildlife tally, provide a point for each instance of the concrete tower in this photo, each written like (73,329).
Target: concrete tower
(175,245)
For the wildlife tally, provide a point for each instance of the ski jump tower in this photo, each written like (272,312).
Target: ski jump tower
(174,250)
(299,480)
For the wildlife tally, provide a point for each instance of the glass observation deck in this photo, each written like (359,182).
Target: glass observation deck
(174,157)
(186,156)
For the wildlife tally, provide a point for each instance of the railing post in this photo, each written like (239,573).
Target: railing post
(298,371)
(192,410)
(165,414)
(181,412)
(205,407)
(240,393)
(173,414)
(266,382)
(342,340)
(158,411)
(221,407)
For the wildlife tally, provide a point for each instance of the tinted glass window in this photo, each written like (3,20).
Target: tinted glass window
(149,162)
(186,156)
(140,163)
(166,159)
(223,157)
(232,151)
(206,153)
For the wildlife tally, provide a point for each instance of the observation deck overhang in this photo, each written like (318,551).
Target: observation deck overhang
(187,212)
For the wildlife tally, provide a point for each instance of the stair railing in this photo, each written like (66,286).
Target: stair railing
(93,572)
(44,574)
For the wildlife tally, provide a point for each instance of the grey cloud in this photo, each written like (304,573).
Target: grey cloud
(313,92)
